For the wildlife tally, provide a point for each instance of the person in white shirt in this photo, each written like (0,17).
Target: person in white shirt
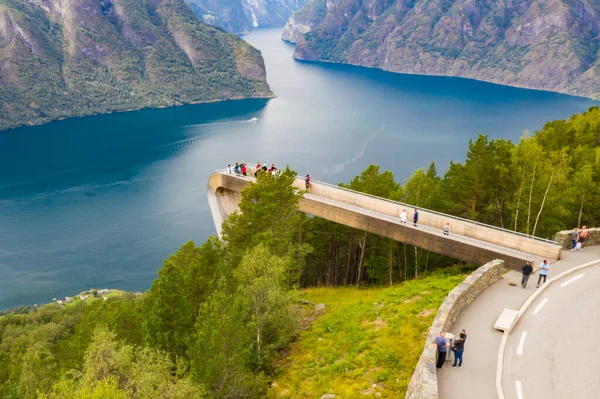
(229,170)
(403,216)
(447,229)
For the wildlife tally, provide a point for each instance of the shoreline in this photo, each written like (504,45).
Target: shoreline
(87,296)
(115,111)
(516,86)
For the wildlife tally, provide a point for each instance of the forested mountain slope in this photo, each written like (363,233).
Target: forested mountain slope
(551,45)
(239,16)
(82,57)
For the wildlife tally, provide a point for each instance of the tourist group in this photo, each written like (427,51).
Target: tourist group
(243,170)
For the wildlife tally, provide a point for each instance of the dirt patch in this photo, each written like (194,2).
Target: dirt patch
(413,299)
(426,312)
(379,323)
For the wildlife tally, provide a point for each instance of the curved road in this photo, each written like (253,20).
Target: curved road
(552,352)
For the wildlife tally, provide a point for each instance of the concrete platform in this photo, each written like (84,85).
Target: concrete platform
(468,241)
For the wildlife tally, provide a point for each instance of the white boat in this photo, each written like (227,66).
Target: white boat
(253,120)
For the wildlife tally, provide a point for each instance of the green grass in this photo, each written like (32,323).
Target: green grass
(368,341)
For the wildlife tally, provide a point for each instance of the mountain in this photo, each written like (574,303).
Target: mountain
(304,20)
(550,44)
(61,59)
(240,16)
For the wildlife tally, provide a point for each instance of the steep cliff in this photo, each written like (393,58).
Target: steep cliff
(240,16)
(550,44)
(306,19)
(60,59)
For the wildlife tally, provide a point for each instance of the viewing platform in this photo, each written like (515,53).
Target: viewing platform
(469,241)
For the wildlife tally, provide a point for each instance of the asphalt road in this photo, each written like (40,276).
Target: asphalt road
(552,352)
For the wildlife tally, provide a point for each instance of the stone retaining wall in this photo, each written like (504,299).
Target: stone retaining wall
(564,238)
(423,384)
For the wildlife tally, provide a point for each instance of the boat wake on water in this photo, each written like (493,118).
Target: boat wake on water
(338,168)
(227,122)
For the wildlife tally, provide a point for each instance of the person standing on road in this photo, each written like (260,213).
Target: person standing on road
(442,346)
(447,229)
(459,348)
(574,238)
(583,235)
(526,269)
(403,216)
(544,267)
(415,217)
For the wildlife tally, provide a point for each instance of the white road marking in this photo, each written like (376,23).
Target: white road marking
(571,280)
(521,343)
(519,389)
(540,306)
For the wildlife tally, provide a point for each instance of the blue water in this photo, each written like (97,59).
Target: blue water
(101,201)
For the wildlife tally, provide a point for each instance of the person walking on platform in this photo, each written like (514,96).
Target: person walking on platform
(403,216)
(526,269)
(459,349)
(442,346)
(307,181)
(447,229)
(544,267)
(415,217)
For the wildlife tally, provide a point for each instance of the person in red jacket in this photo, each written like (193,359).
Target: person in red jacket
(307,181)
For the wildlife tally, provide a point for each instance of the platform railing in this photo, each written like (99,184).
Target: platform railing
(409,224)
(402,204)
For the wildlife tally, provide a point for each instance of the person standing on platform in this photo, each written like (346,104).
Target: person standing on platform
(229,170)
(415,217)
(526,269)
(307,181)
(544,267)
(244,170)
(257,169)
(442,346)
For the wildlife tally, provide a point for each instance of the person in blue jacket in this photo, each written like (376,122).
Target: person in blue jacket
(544,267)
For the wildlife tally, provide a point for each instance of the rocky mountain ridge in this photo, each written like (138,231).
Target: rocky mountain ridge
(83,57)
(240,16)
(550,45)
